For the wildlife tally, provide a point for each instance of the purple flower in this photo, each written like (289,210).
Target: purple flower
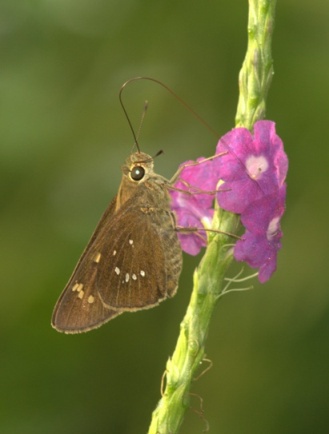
(192,200)
(258,252)
(253,166)
(260,243)
(251,169)
(258,215)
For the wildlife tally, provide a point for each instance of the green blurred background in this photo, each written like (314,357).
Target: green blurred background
(63,140)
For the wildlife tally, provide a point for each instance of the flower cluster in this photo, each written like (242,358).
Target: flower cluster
(251,171)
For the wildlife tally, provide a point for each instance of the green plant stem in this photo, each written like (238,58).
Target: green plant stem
(257,70)
(254,81)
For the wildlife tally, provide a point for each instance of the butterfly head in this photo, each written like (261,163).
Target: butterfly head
(138,167)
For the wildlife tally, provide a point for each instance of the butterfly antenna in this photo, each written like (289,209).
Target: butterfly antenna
(127,117)
(146,105)
(168,89)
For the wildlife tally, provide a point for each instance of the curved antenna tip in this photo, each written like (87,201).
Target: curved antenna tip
(179,99)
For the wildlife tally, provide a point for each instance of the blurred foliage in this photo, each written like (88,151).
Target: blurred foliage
(63,139)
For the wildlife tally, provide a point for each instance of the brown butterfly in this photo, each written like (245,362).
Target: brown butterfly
(133,260)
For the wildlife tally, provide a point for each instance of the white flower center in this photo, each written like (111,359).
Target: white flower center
(272,228)
(256,166)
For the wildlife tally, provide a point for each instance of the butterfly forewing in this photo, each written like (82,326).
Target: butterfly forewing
(79,308)
(74,315)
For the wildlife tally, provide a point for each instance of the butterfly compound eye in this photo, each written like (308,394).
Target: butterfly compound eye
(137,173)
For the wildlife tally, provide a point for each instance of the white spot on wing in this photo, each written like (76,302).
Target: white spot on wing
(91,299)
(77,287)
